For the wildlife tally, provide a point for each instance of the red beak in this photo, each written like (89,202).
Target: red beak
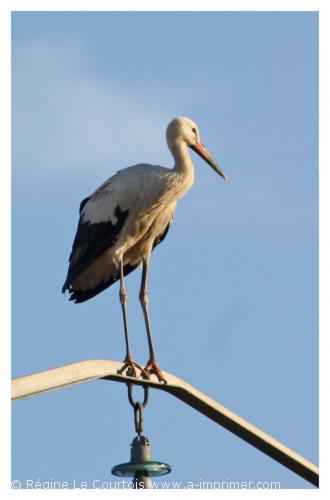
(203,153)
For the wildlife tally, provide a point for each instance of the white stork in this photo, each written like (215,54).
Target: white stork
(125,219)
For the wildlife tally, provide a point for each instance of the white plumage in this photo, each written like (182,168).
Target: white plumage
(125,218)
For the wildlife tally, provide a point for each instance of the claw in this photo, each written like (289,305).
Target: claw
(131,368)
(153,368)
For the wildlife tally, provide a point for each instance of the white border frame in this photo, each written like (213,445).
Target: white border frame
(6,7)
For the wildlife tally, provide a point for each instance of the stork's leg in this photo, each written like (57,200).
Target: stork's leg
(152,365)
(128,361)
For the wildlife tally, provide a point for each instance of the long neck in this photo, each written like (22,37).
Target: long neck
(183,165)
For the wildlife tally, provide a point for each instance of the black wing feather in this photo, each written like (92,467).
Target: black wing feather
(83,203)
(90,242)
(79,296)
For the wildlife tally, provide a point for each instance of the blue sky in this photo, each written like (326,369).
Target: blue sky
(233,288)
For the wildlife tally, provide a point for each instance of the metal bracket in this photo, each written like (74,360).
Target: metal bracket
(86,371)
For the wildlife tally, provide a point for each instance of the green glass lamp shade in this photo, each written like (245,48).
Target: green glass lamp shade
(141,463)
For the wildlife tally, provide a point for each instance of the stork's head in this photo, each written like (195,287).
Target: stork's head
(182,129)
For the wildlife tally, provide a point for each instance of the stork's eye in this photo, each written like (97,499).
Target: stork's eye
(194,130)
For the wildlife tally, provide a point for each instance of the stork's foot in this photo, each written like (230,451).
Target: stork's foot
(153,368)
(131,367)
